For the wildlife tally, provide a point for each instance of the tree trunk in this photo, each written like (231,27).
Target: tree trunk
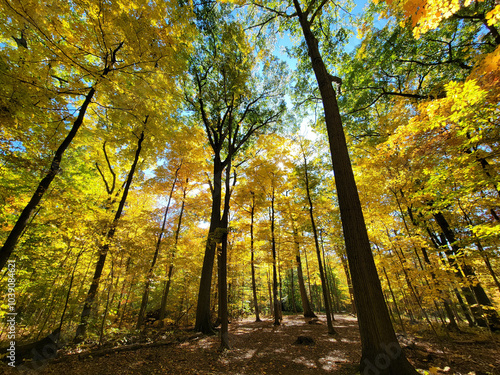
(324,285)
(292,291)
(479,298)
(380,348)
(168,283)
(311,295)
(343,258)
(23,219)
(330,280)
(306,307)
(149,276)
(271,304)
(252,260)
(104,248)
(28,210)
(277,315)
(222,264)
(203,321)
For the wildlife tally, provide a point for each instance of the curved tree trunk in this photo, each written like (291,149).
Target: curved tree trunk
(23,219)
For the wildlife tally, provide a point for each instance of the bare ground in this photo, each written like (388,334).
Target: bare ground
(261,348)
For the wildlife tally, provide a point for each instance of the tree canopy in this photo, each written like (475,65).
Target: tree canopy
(142,143)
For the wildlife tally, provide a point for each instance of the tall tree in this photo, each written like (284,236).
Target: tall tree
(377,333)
(231,110)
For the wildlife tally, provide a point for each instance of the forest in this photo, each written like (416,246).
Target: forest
(250,187)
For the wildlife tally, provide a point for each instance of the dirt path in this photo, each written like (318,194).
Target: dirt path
(260,348)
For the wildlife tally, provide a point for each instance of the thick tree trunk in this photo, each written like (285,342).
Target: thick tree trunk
(103,251)
(222,264)
(203,320)
(381,351)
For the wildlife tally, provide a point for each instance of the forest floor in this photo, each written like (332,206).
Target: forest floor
(261,348)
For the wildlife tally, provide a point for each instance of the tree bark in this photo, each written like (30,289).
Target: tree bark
(222,264)
(380,348)
(203,320)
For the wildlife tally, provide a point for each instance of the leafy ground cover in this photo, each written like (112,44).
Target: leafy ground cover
(261,348)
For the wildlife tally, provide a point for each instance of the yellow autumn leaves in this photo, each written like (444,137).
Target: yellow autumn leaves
(426,15)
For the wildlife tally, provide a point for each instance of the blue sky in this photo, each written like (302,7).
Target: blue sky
(285,41)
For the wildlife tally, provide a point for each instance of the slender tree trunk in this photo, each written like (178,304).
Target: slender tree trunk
(252,260)
(306,307)
(309,281)
(277,317)
(343,258)
(132,283)
(453,324)
(481,249)
(106,309)
(330,279)
(394,300)
(480,298)
(104,248)
(377,332)
(22,221)
(437,245)
(292,291)
(120,299)
(168,283)
(324,285)
(69,290)
(271,304)
(149,276)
